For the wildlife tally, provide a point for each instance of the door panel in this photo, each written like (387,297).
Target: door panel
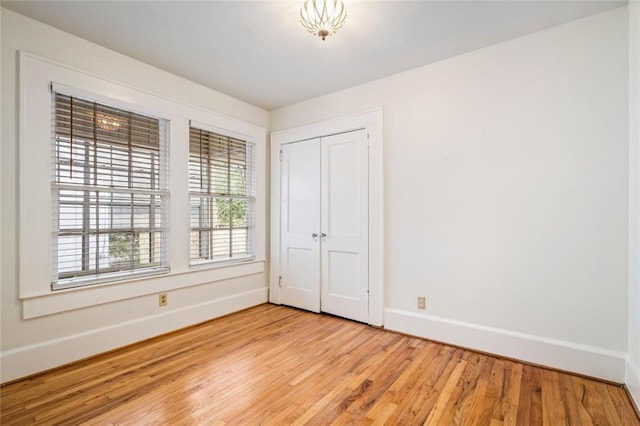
(300,215)
(344,220)
(343,272)
(342,183)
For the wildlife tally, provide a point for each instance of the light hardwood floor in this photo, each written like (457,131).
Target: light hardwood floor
(277,365)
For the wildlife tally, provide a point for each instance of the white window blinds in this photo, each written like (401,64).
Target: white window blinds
(221,189)
(110,192)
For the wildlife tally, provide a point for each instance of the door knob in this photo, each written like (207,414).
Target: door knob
(323,235)
(314,235)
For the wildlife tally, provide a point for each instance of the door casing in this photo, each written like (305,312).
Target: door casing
(372,122)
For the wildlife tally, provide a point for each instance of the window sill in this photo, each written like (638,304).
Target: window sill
(51,302)
(198,266)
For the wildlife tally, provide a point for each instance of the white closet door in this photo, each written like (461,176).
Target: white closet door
(300,213)
(344,249)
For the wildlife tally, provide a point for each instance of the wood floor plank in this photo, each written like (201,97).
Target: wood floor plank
(480,407)
(530,401)
(444,396)
(553,411)
(591,400)
(444,365)
(620,400)
(507,410)
(274,365)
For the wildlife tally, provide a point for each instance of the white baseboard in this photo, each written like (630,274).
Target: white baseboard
(632,381)
(27,360)
(582,359)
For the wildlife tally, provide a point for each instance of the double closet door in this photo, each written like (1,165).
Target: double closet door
(324,225)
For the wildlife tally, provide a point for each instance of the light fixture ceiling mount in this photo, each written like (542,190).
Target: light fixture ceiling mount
(323,17)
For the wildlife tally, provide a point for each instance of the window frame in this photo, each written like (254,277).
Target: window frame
(98,141)
(249,197)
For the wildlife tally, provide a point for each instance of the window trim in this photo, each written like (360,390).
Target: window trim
(34,188)
(38,305)
(250,197)
(87,278)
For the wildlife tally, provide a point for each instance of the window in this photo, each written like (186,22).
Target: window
(221,190)
(110,193)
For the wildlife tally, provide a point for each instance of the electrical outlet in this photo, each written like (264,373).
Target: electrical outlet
(422,303)
(162,299)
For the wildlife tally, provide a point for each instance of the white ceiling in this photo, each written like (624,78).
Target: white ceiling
(257,51)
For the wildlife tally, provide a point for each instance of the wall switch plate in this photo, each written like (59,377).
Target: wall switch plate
(162,299)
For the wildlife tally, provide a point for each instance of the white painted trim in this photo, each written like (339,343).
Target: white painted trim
(372,121)
(632,381)
(274,235)
(27,360)
(578,358)
(226,121)
(37,305)
(36,75)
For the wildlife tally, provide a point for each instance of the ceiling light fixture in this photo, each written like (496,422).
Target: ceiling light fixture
(322,17)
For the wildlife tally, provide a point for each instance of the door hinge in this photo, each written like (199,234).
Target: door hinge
(280,155)
(280,281)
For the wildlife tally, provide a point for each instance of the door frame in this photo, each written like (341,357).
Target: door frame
(372,122)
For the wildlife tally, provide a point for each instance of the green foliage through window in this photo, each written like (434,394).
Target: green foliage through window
(123,248)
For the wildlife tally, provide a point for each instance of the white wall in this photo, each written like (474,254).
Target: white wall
(633,364)
(506,194)
(28,346)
